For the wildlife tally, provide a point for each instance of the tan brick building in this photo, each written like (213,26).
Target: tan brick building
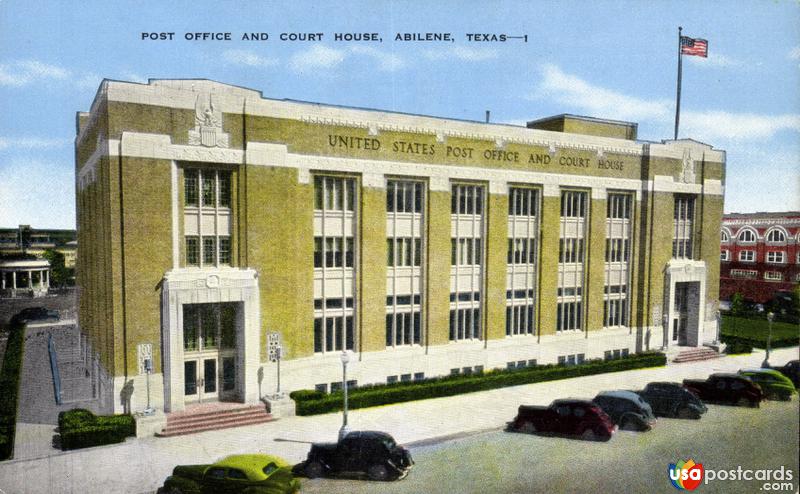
(211,218)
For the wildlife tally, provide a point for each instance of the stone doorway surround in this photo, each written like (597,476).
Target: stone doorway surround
(686,271)
(197,286)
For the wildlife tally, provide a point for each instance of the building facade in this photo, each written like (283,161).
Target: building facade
(759,255)
(215,223)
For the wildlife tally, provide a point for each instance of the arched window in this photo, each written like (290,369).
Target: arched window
(724,237)
(776,236)
(746,236)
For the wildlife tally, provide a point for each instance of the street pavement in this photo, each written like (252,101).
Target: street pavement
(140,465)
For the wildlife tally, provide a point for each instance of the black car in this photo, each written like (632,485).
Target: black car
(668,399)
(370,453)
(34,314)
(627,409)
(792,371)
(726,389)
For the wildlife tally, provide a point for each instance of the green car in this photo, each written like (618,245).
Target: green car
(245,474)
(775,385)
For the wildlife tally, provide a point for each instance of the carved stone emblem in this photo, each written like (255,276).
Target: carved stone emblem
(212,281)
(207,123)
(687,173)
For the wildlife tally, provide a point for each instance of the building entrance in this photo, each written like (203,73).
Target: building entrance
(684,311)
(209,350)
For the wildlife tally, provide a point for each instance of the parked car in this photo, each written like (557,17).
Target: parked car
(792,371)
(627,409)
(773,384)
(568,417)
(728,389)
(246,474)
(668,399)
(35,314)
(371,453)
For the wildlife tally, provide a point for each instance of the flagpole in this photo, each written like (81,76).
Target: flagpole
(678,104)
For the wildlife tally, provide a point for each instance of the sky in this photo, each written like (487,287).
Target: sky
(606,59)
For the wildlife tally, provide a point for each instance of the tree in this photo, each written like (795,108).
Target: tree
(737,308)
(59,274)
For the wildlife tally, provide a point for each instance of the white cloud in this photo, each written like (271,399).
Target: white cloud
(584,97)
(580,96)
(715,60)
(248,58)
(465,53)
(794,54)
(748,188)
(726,125)
(387,62)
(31,143)
(24,72)
(316,57)
(36,192)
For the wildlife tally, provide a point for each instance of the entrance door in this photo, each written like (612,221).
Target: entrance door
(209,346)
(680,316)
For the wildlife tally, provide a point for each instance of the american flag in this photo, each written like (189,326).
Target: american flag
(694,46)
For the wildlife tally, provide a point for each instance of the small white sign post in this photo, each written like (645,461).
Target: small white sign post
(275,352)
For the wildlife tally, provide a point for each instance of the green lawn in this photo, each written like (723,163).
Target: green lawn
(757,329)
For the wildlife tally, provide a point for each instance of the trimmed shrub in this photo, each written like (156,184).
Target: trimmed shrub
(383,394)
(9,389)
(80,428)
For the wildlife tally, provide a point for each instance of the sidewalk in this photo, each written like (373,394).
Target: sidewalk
(141,465)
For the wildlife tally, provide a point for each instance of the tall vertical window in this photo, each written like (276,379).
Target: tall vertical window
(523,228)
(569,299)
(405,218)
(683,219)
(618,259)
(335,226)
(207,217)
(466,256)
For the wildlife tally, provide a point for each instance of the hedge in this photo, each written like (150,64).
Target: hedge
(80,428)
(741,344)
(9,389)
(309,402)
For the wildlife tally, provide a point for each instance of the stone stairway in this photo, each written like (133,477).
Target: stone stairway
(695,354)
(212,417)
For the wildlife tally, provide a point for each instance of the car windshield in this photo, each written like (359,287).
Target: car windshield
(271,467)
(389,443)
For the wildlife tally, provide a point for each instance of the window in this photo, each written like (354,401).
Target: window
(747,256)
(465,324)
(519,320)
(745,274)
(404,251)
(391,379)
(774,257)
(209,327)
(404,197)
(773,276)
(682,226)
(617,265)
(207,193)
(522,202)
(724,237)
(569,307)
(333,332)
(746,236)
(335,224)
(466,259)
(321,388)
(776,236)
(617,250)
(419,376)
(575,359)
(725,255)
(403,328)
(521,251)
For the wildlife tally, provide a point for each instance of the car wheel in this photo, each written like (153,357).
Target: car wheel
(589,435)
(743,402)
(378,471)
(528,428)
(314,470)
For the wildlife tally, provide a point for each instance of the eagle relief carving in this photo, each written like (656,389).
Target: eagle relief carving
(207,123)
(687,174)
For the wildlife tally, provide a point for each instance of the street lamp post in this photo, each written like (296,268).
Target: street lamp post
(719,327)
(666,339)
(770,317)
(345,357)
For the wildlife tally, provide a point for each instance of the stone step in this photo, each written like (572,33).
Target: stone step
(192,415)
(171,431)
(695,355)
(192,421)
